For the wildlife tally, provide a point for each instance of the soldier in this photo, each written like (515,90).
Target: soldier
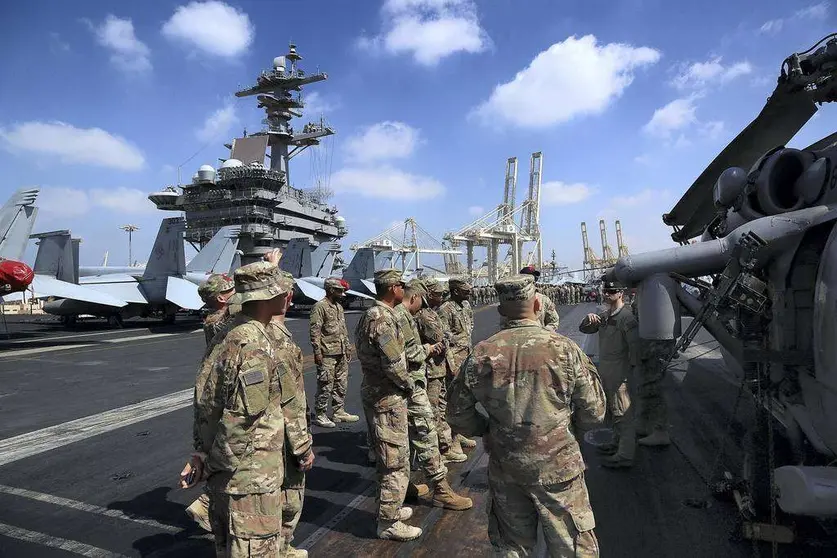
(432,331)
(423,437)
(619,352)
(215,293)
(458,318)
(534,384)
(299,455)
(243,395)
(652,417)
(332,353)
(547,315)
(386,386)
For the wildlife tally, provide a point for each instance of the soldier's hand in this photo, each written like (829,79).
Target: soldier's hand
(318,360)
(273,256)
(594,318)
(439,348)
(307,461)
(192,473)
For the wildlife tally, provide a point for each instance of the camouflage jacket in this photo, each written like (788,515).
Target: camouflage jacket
(548,315)
(298,440)
(414,351)
(328,329)
(215,322)
(238,413)
(618,336)
(380,350)
(431,331)
(532,383)
(459,320)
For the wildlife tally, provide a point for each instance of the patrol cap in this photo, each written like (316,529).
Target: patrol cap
(260,281)
(215,284)
(530,270)
(515,288)
(335,283)
(459,283)
(388,277)
(434,286)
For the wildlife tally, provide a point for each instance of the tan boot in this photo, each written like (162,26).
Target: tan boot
(296,553)
(397,531)
(451,456)
(199,512)
(415,491)
(323,421)
(466,443)
(405,513)
(341,415)
(656,438)
(445,497)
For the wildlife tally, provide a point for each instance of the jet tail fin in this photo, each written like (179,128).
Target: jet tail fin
(56,256)
(322,259)
(296,258)
(17,216)
(383,260)
(218,254)
(362,265)
(168,256)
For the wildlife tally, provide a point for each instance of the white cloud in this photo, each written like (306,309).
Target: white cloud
(572,78)
(128,53)
(74,202)
(560,193)
(213,27)
(640,198)
(772,26)
(711,72)
(88,146)
(316,104)
(713,129)
(384,182)
(429,30)
(384,140)
(814,11)
(476,210)
(217,124)
(58,45)
(676,115)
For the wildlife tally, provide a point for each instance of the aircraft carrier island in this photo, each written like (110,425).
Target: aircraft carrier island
(258,197)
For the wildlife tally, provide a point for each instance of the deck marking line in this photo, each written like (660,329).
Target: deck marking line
(83,506)
(38,350)
(57,542)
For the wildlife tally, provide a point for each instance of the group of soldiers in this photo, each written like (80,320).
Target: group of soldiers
(422,380)
(563,295)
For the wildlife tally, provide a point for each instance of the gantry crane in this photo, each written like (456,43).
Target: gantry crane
(621,247)
(592,263)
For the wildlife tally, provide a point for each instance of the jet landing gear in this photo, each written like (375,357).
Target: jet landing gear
(115,320)
(69,321)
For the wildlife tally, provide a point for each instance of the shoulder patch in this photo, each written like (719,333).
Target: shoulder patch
(252,377)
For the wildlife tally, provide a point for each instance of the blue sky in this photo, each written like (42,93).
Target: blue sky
(627,99)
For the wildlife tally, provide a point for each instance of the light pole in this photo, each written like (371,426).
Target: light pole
(130,230)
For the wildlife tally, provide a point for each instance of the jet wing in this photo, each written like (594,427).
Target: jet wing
(369,285)
(361,295)
(786,111)
(44,286)
(310,291)
(124,287)
(183,293)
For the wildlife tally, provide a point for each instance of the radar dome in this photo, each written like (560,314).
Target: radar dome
(230,163)
(206,173)
(279,62)
(195,178)
(340,220)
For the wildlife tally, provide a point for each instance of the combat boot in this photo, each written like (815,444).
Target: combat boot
(397,531)
(451,456)
(466,442)
(416,491)
(607,449)
(323,421)
(199,512)
(341,415)
(656,438)
(445,497)
(617,461)
(405,513)
(296,553)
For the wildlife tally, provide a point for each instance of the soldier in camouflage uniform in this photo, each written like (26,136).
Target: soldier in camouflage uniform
(458,317)
(239,421)
(386,386)
(619,358)
(432,331)
(299,456)
(547,315)
(332,352)
(535,385)
(423,437)
(215,293)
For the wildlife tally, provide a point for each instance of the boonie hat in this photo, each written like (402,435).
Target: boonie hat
(260,281)
(214,285)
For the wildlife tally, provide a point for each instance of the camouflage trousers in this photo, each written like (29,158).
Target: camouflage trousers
(245,525)
(618,385)
(562,510)
(653,411)
(437,394)
(423,438)
(389,437)
(332,382)
(293,496)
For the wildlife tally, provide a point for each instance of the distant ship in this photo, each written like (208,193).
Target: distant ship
(259,198)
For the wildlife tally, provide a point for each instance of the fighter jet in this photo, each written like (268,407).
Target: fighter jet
(17,216)
(162,287)
(361,269)
(310,268)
